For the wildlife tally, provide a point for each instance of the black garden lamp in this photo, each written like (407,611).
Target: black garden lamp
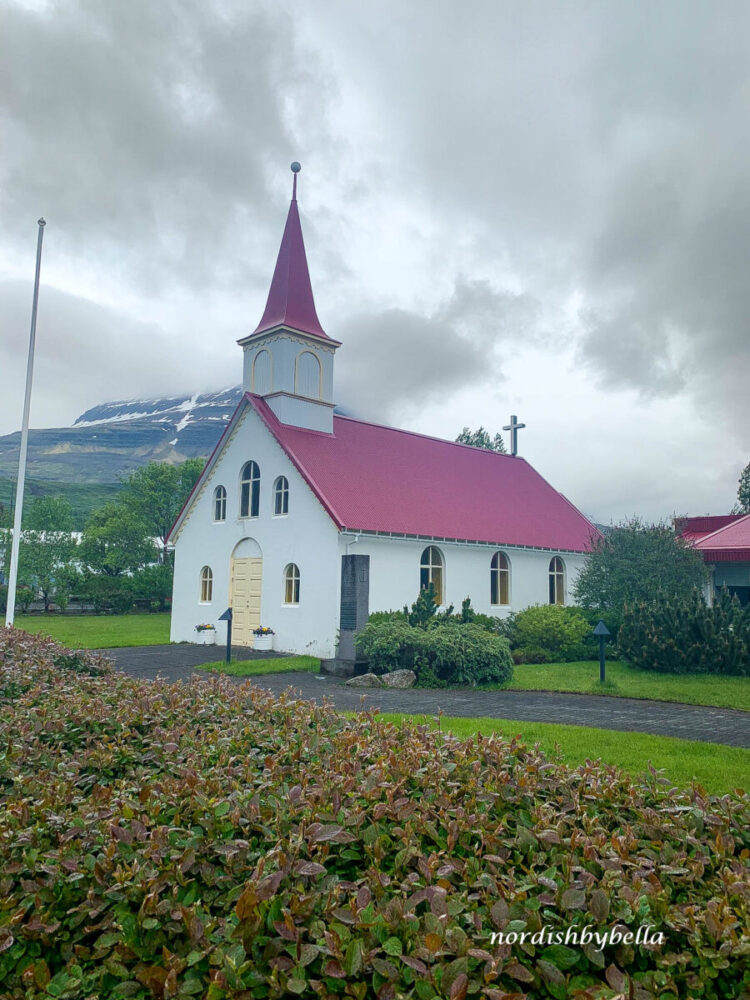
(227,617)
(601,632)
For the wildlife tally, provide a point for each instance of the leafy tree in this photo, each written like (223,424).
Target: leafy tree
(636,562)
(480,438)
(156,492)
(47,548)
(743,491)
(116,541)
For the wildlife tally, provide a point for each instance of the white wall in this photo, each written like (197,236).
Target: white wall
(394,573)
(306,536)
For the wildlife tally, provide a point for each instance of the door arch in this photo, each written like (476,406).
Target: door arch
(245,584)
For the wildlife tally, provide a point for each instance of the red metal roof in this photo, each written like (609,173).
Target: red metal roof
(693,528)
(290,299)
(374,478)
(730,543)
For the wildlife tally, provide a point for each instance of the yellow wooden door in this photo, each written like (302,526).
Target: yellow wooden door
(244,599)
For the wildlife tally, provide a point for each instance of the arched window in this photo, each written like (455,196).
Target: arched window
(220,504)
(250,490)
(431,571)
(262,372)
(291,584)
(281,496)
(499,579)
(307,375)
(207,585)
(556,581)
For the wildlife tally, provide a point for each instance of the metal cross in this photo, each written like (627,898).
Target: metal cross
(514,427)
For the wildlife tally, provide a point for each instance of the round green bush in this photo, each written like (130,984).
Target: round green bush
(442,654)
(558,631)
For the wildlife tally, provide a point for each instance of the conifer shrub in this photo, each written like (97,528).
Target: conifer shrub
(211,840)
(687,636)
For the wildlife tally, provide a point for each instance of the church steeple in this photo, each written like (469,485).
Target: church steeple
(289,357)
(290,299)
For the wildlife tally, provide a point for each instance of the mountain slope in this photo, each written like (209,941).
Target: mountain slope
(110,440)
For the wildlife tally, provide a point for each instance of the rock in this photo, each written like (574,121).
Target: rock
(365,681)
(400,679)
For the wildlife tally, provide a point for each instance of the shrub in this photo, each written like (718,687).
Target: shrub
(530,654)
(687,636)
(210,840)
(441,655)
(560,632)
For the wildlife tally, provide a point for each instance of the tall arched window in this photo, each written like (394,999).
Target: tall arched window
(557,581)
(307,375)
(281,496)
(220,504)
(207,585)
(250,490)
(431,571)
(499,579)
(291,584)
(262,372)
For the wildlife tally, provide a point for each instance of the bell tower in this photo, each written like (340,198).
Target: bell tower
(288,358)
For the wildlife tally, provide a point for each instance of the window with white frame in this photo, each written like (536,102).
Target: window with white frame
(431,571)
(250,490)
(499,579)
(291,584)
(207,585)
(281,496)
(220,504)
(556,581)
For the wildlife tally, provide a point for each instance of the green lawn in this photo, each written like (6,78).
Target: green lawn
(625,682)
(718,769)
(273,665)
(99,631)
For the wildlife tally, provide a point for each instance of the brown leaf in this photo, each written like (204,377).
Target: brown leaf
(309,868)
(573,899)
(519,972)
(599,905)
(616,978)
(433,942)
(460,987)
(414,963)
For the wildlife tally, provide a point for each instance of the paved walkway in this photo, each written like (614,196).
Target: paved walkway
(689,722)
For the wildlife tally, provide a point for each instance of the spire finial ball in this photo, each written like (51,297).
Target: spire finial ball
(296,167)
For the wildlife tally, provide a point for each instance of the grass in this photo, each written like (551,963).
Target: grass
(272,665)
(99,631)
(626,682)
(719,769)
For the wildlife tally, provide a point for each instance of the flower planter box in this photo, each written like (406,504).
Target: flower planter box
(206,638)
(261,642)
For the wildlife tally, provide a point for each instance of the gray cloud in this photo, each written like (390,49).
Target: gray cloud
(396,361)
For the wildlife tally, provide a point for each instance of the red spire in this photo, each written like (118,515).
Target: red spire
(290,299)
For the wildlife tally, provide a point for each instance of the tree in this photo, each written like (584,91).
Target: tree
(743,491)
(156,492)
(634,562)
(47,548)
(480,438)
(116,541)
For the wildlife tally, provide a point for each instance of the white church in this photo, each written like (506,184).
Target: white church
(305,521)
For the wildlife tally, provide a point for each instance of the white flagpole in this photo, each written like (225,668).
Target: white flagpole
(13,574)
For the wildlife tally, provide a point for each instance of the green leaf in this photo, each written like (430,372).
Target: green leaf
(393,946)
(561,956)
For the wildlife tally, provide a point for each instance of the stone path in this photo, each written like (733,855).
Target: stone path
(690,722)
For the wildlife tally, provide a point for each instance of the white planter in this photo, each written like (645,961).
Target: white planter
(206,638)
(261,642)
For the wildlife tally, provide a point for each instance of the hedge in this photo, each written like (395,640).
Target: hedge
(688,636)
(209,840)
(442,653)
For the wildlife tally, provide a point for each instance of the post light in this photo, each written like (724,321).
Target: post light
(227,617)
(601,631)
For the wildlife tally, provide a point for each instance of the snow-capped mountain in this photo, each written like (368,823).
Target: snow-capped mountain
(111,439)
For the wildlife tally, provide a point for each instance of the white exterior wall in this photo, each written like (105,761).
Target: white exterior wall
(395,576)
(306,536)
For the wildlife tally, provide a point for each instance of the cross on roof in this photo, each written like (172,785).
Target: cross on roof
(514,427)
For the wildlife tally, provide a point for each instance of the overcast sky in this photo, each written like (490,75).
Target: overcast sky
(509,207)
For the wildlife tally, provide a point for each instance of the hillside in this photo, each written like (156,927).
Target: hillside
(86,461)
